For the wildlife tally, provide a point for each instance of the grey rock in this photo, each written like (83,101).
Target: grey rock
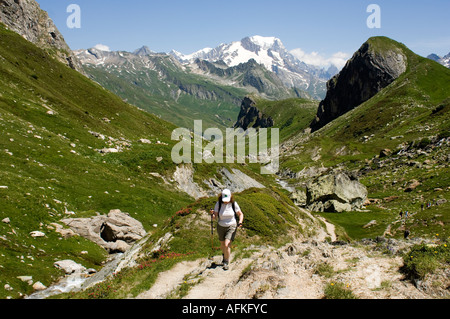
(335,192)
(69,266)
(114,232)
(38,286)
(37,234)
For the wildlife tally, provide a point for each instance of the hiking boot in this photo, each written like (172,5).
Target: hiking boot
(225,265)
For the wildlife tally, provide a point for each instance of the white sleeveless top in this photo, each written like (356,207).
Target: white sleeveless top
(226,214)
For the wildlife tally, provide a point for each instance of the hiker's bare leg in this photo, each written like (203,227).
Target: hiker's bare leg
(227,249)
(222,246)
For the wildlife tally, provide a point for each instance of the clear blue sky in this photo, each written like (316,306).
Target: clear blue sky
(324,26)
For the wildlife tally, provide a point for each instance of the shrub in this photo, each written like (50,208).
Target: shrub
(422,260)
(424,143)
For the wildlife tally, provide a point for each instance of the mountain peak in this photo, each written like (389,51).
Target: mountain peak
(144,50)
(378,63)
(445,61)
(265,42)
(269,52)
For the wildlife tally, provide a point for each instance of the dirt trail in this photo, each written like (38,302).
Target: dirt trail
(168,281)
(290,272)
(299,270)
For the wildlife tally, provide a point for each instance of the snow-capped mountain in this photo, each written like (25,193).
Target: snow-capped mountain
(445,61)
(264,50)
(270,52)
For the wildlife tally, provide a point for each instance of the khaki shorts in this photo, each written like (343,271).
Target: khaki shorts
(227,232)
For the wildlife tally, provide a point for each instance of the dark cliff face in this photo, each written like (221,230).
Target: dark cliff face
(378,63)
(26,18)
(250,116)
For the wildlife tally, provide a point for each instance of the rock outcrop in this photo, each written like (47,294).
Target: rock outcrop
(114,232)
(235,180)
(378,63)
(26,18)
(336,192)
(250,116)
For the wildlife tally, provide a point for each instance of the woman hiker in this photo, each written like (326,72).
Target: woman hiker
(227,211)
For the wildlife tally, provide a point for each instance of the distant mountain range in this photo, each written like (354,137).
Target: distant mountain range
(270,52)
(445,61)
(211,82)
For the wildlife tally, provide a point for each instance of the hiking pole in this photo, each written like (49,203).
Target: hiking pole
(212,229)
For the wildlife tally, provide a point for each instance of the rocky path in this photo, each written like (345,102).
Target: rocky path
(300,270)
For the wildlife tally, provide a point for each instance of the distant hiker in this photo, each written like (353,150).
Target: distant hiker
(230,218)
(406,215)
(401,214)
(422,206)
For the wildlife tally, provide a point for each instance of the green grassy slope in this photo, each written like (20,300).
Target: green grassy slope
(290,116)
(49,162)
(413,109)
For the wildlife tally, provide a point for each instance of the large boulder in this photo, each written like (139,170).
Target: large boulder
(335,192)
(115,232)
(69,266)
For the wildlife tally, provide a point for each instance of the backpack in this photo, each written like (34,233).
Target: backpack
(234,210)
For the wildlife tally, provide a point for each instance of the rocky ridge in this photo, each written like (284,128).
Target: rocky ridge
(250,75)
(26,18)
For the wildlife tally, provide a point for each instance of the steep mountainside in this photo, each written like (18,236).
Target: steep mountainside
(161,85)
(57,127)
(26,18)
(291,116)
(254,77)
